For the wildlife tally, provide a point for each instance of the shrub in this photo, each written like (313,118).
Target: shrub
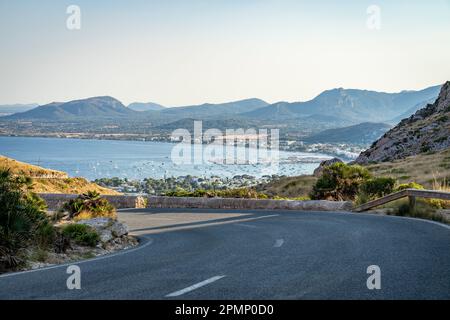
(422,210)
(229,193)
(23,219)
(377,187)
(89,205)
(440,186)
(241,193)
(304,198)
(81,234)
(340,182)
(411,185)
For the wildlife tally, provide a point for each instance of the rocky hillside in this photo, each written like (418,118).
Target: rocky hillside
(428,130)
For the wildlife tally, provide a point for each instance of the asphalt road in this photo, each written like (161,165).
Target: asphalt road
(201,254)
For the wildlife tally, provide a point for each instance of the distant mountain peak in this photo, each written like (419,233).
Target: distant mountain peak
(88,108)
(145,106)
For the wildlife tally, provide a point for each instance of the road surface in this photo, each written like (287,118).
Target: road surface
(220,254)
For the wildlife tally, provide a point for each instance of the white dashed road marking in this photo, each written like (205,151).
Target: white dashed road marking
(278,243)
(193,287)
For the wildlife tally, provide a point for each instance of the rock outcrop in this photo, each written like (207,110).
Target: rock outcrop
(107,228)
(428,130)
(318,171)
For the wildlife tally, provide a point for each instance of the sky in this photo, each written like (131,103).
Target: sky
(185,52)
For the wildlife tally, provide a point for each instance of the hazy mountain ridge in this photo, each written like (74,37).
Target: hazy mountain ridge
(96,107)
(350,104)
(145,106)
(362,133)
(8,109)
(208,110)
(428,130)
(336,108)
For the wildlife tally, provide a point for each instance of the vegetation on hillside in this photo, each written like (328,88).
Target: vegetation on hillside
(51,181)
(246,193)
(23,220)
(425,169)
(89,205)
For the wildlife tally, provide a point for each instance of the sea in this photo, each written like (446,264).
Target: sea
(93,159)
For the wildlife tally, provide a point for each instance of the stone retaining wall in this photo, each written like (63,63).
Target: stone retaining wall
(55,201)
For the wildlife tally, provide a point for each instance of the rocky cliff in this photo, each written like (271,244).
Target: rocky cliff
(426,131)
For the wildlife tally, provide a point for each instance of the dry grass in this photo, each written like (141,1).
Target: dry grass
(52,181)
(22,168)
(69,185)
(86,215)
(428,170)
(289,187)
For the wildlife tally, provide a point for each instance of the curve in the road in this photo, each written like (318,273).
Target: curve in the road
(291,255)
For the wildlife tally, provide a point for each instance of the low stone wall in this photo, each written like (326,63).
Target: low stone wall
(257,204)
(55,201)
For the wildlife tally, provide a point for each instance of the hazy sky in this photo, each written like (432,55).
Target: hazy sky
(183,52)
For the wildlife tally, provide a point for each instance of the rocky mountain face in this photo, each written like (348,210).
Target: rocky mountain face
(427,130)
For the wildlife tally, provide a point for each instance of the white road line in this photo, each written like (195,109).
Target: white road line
(278,243)
(193,287)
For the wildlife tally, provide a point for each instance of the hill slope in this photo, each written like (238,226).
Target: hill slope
(350,104)
(208,110)
(51,181)
(361,133)
(428,130)
(91,108)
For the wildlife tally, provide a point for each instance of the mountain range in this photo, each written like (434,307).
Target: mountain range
(332,109)
(351,105)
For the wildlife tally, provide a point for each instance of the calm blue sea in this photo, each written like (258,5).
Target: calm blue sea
(135,159)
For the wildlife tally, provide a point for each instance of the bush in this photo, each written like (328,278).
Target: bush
(340,182)
(411,185)
(23,220)
(241,193)
(440,186)
(376,188)
(230,193)
(81,234)
(422,210)
(89,205)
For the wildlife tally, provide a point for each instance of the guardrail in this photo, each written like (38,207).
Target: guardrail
(412,194)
